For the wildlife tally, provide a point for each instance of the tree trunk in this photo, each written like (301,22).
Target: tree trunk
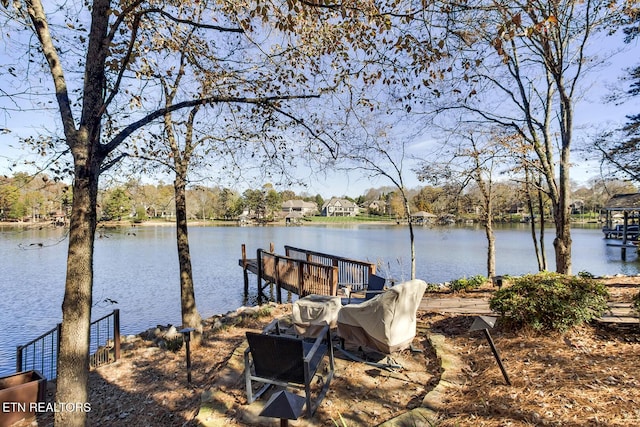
(562,242)
(543,252)
(407,211)
(73,360)
(190,316)
(532,225)
(491,245)
(413,250)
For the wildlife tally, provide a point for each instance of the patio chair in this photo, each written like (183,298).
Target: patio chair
(386,323)
(287,361)
(375,286)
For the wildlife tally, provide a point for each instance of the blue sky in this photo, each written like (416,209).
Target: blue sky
(589,113)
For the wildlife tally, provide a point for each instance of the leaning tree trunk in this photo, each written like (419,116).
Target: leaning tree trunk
(532,228)
(543,223)
(73,359)
(190,316)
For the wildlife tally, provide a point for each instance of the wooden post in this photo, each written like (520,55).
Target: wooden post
(624,236)
(259,260)
(272,248)
(301,279)
(277,277)
(245,274)
(334,282)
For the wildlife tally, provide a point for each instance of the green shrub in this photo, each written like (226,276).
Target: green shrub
(551,301)
(465,284)
(433,287)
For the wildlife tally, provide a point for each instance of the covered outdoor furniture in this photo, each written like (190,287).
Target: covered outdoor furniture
(375,286)
(284,360)
(385,323)
(311,313)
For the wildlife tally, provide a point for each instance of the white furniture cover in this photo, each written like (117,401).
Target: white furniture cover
(385,323)
(311,313)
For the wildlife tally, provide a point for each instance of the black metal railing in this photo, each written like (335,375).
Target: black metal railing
(104,342)
(41,354)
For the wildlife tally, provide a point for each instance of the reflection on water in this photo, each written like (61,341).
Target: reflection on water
(137,267)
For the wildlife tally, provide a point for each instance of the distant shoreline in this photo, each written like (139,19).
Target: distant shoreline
(195,223)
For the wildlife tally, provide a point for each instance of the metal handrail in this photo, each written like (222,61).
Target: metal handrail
(42,352)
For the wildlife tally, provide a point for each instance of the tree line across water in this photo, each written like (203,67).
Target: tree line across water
(29,198)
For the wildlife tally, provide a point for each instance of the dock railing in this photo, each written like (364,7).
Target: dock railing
(350,271)
(296,275)
(42,353)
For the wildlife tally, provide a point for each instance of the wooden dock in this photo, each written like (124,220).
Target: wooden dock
(304,272)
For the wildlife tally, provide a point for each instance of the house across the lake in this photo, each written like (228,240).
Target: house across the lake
(340,207)
(299,207)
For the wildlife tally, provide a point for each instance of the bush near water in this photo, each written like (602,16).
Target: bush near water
(551,301)
(467,284)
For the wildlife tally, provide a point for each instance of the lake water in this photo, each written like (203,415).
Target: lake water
(138,267)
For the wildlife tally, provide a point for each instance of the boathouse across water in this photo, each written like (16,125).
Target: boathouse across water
(628,232)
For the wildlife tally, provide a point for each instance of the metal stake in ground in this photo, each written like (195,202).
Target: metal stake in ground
(485,323)
(186,333)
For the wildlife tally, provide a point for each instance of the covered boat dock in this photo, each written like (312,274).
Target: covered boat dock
(627,205)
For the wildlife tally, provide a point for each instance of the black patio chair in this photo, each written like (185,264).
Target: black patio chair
(375,287)
(287,361)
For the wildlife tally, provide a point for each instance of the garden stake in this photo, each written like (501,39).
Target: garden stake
(485,323)
(186,333)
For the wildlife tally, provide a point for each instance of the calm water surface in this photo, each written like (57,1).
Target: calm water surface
(138,267)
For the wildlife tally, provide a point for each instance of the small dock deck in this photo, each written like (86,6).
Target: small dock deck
(304,272)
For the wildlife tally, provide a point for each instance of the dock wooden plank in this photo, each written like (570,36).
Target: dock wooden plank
(251,265)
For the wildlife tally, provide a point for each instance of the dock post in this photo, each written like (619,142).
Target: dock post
(259,259)
(623,250)
(277,274)
(245,275)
